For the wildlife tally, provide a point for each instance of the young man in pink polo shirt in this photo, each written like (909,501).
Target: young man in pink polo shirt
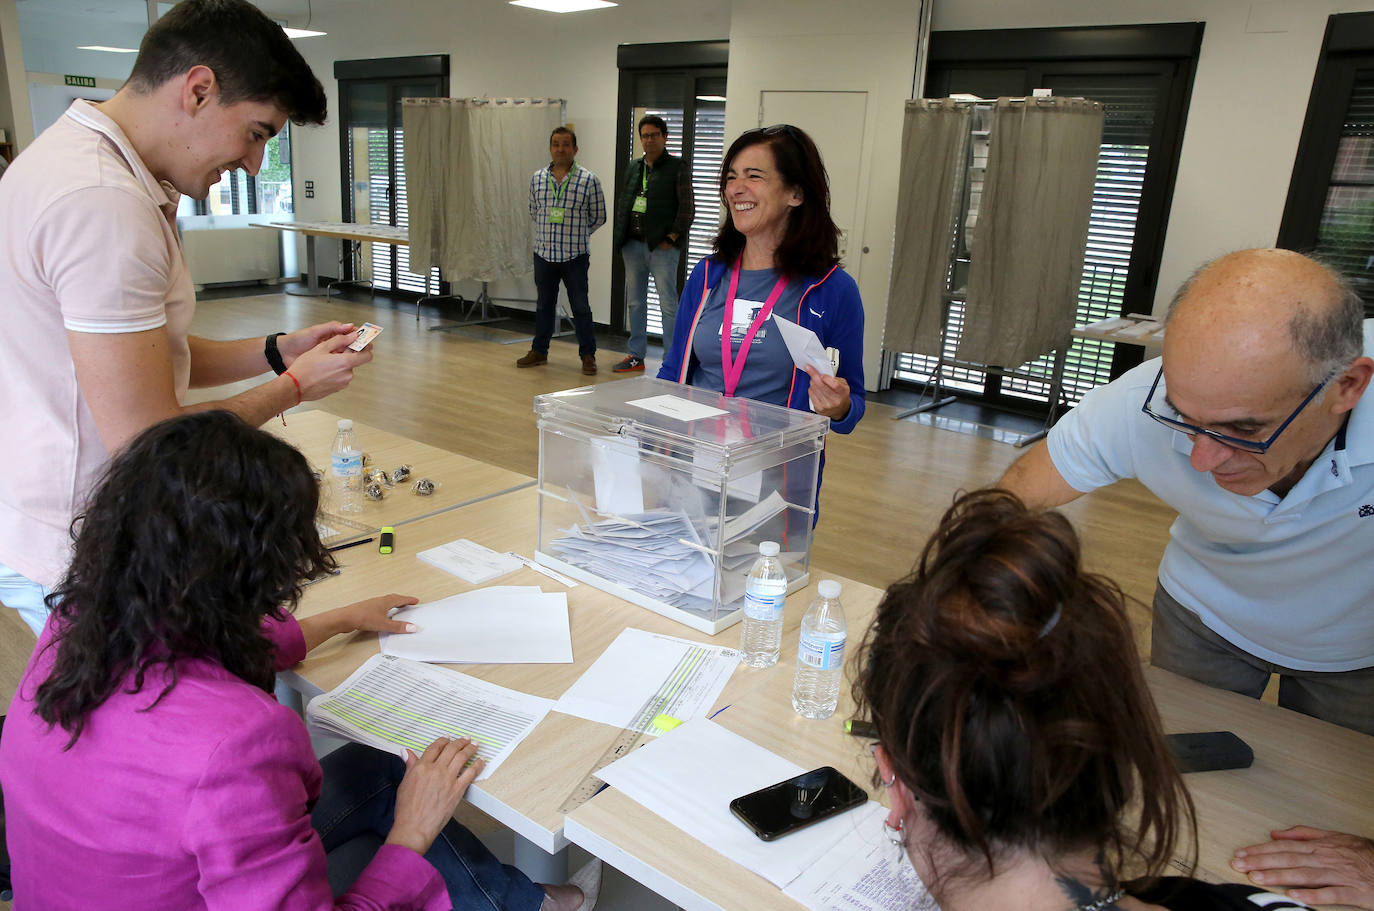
(97,297)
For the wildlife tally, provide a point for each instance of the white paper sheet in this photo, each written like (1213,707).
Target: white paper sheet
(690,775)
(615,469)
(864,872)
(670,676)
(508,624)
(470,561)
(804,346)
(394,704)
(677,407)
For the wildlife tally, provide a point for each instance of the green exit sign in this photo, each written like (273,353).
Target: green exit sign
(85,82)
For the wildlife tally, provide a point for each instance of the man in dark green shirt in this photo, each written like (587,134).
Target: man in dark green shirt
(652,217)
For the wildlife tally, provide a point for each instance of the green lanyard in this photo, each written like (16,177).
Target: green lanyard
(644,178)
(557,189)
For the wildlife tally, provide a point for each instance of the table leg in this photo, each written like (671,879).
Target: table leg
(312,278)
(538,864)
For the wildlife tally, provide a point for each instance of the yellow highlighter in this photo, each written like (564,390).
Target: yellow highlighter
(388,539)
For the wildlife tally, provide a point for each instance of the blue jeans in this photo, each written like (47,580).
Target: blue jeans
(640,263)
(573,273)
(354,815)
(25,596)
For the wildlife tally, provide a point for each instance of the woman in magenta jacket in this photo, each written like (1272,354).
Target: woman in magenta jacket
(144,761)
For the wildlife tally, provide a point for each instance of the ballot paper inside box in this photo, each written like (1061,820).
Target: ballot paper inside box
(661,493)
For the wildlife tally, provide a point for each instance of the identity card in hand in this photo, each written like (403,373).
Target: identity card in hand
(366,333)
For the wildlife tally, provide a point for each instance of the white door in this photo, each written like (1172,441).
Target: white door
(835,120)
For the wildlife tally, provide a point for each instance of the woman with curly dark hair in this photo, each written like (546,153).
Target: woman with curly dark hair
(1023,756)
(144,761)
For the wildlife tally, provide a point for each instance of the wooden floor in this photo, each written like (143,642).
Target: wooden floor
(886,484)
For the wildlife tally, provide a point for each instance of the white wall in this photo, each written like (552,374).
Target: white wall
(1254,76)
(499,50)
(858,46)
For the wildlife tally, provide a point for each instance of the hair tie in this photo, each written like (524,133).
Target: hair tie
(1051,623)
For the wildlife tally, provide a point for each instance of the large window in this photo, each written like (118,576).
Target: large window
(1144,85)
(1330,208)
(372,147)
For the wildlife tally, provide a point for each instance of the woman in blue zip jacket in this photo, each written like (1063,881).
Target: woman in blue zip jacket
(776,254)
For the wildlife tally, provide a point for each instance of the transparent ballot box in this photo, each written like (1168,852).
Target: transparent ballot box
(661,493)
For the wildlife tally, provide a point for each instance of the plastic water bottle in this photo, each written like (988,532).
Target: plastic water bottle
(820,655)
(346,467)
(764,591)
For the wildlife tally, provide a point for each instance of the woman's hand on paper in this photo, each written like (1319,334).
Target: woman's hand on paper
(434,784)
(829,395)
(1315,866)
(370,616)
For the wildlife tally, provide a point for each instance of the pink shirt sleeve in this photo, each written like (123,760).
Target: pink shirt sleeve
(286,635)
(71,244)
(248,826)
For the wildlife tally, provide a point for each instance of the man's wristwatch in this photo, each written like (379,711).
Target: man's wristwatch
(273,355)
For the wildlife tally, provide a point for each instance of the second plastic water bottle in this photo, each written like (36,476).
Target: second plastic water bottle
(764,591)
(346,469)
(820,655)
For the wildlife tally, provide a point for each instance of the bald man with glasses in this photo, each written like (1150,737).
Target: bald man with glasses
(1254,427)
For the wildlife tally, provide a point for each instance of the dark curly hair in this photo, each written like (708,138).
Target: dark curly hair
(812,242)
(1004,684)
(198,530)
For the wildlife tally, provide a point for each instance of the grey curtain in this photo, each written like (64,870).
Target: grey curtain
(468,164)
(1028,245)
(935,136)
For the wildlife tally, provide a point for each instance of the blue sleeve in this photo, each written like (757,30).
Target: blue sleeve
(844,330)
(682,324)
(1095,444)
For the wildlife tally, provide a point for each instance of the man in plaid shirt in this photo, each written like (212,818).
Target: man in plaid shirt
(566,206)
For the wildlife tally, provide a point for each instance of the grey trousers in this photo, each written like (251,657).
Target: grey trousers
(1182,643)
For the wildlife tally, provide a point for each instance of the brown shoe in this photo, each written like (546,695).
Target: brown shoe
(589,365)
(533,359)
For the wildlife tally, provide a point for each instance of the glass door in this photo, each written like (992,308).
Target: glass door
(374,182)
(692,103)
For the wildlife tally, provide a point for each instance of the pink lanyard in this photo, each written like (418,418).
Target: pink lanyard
(734,369)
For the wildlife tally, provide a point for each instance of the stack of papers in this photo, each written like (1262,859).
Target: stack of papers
(689,776)
(394,705)
(661,553)
(507,624)
(470,561)
(642,675)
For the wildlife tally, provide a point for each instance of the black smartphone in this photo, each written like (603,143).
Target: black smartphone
(1212,751)
(797,802)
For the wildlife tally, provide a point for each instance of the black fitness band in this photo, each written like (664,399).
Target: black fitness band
(273,355)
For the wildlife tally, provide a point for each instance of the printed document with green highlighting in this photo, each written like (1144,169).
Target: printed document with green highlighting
(395,704)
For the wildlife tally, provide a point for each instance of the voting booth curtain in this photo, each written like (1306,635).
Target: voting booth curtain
(468,163)
(934,164)
(1028,243)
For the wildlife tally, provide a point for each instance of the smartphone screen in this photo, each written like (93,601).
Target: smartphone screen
(797,802)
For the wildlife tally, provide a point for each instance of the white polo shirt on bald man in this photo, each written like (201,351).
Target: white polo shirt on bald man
(88,243)
(1286,579)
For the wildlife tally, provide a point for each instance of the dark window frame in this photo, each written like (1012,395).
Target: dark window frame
(1123,50)
(1347,47)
